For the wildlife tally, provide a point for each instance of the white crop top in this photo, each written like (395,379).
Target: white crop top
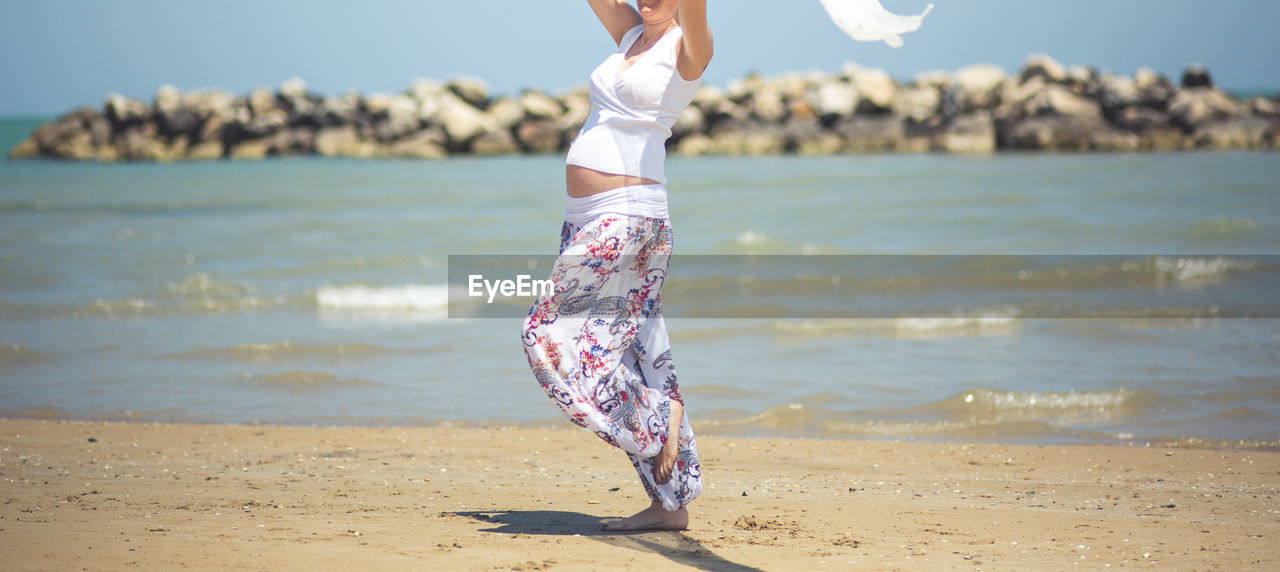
(632,112)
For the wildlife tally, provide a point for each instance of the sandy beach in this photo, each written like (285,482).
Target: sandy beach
(95,496)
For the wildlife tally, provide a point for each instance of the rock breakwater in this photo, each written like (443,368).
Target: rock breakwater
(979,109)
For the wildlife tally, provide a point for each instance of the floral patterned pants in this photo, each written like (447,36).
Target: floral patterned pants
(598,345)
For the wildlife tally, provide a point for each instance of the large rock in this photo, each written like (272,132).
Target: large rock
(766,104)
(540,136)
(1142,119)
(394,116)
(81,135)
(1036,98)
(1192,108)
(872,134)
(1247,132)
(27,149)
(1195,76)
(303,108)
(1165,139)
(343,141)
(941,79)
(1155,89)
(173,117)
(539,106)
(340,110)
(266,123)
(251,150)
(974,133)
(423,89)
(1061,101)
(805,136)
(919,104)
(1265,107)
(719,112)
(72,136)
(1118,92)
(749,139)
(124,112)
(1052,133)
(876,89)
(209,102)
(976,88)
(506,112)
(472,90)
(291,141)
(801,108)
(834,99)
(1082,79)
(261,101)
(740,89)
(425,144)
(500,142)
(293,88)
(1043,66)
(793,86)
(205,151)
(140,144)
(1114,140)
(214,129)
(210,106)
(463,122)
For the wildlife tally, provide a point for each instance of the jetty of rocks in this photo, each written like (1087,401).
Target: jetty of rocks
(979,109)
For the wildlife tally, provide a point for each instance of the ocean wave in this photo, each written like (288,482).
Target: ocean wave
(948,290)
(984,411)
(835,274)
(903,328)
(1070,406)
(307,380)
(15,354)
(272,352)
(1197,269)
(795,419)
(199,293)
(416,298)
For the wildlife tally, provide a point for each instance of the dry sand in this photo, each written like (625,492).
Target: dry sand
(95,496)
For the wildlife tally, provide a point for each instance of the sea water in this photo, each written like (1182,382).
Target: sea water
(315,291)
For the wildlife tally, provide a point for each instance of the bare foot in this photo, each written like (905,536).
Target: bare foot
(653,518)
(665,461)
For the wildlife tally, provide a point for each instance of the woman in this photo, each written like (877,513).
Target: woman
(598,344)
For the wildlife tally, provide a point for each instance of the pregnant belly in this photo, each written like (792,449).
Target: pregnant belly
(584,182)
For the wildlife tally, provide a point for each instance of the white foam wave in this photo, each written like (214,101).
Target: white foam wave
(1101,400)
(945,325)
(1197,269)
(413,297)
(905,327)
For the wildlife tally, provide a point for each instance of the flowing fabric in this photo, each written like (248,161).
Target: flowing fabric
(598,346)
(868,21)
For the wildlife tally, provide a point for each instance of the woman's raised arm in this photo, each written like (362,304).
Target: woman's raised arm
(618,16)
(697,45)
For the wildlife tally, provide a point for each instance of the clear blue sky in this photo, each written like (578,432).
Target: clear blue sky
(58,54)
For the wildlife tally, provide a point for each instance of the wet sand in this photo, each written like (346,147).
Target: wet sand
(82,495)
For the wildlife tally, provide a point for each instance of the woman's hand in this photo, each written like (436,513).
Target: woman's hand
(696,48)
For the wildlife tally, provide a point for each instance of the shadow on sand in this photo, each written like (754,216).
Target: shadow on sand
(672,544)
